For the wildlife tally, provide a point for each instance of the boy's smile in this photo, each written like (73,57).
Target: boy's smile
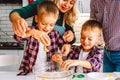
(89,38)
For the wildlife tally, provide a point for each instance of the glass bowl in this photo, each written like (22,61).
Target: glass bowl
(52,71)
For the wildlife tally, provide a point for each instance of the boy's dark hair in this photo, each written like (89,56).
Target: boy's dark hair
(47,7)
(91,24)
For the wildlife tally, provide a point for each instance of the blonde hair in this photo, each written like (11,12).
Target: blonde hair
(47,7)
(91,25)
(71,16)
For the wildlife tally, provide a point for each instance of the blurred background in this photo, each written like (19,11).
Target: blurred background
(8,45)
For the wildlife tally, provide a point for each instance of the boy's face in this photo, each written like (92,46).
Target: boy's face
(46,22)
(89,38)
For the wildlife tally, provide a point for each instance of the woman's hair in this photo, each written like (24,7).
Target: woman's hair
(46,8)
(71,16)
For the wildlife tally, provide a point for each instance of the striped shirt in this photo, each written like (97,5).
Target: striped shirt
(108,13)
(32,49)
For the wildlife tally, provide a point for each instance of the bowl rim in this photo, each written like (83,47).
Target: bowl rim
(71,72)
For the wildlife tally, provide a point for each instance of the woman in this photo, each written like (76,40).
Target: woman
(68,15)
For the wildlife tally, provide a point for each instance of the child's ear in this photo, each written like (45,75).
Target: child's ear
(36,18)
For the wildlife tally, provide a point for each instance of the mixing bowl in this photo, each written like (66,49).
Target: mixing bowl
(52,71)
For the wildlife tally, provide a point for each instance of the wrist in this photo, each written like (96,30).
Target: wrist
(14,16)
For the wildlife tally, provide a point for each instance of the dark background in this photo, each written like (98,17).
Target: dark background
(11,1)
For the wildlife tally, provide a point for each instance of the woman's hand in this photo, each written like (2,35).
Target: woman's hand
(69,63)
(65,49)
(19,25)
(39,35)
(68,36)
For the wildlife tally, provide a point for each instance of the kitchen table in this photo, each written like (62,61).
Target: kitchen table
(30,76)
(13,76)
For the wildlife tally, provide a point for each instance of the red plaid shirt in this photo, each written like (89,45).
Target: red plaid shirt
(32,49)
(95,57)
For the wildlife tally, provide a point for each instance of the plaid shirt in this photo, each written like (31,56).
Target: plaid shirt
(94,57)
(32,49)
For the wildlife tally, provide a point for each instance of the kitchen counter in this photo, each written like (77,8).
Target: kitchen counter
(31,76)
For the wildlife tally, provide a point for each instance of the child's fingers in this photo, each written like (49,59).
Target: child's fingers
(65,49)
(66,65)
(57,58)
(54,58)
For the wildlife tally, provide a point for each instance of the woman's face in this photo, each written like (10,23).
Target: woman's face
(66,5)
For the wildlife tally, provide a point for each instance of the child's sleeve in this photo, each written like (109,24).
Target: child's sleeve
(60,40)
(19,39)
(97,60)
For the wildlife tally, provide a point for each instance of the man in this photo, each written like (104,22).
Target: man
(108,13)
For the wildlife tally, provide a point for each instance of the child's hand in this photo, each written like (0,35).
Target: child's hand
(68,36)
(69,63)
(65,49)
(57,58)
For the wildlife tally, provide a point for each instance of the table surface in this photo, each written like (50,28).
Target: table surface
(13,76)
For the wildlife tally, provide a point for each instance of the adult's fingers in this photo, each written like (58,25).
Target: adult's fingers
(19,27)
(23,26)
(68,36)
(46,40)
(42,37)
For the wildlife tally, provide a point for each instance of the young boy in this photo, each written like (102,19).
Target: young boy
(86,57)
(35,54)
